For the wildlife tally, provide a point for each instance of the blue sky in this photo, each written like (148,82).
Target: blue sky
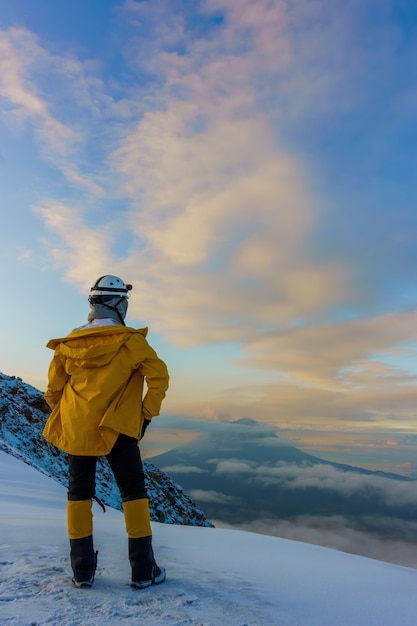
(250,167)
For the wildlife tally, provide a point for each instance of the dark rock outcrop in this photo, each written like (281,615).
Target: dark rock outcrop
(23,413)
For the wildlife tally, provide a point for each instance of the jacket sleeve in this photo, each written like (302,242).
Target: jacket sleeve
(155,373)
(57,379)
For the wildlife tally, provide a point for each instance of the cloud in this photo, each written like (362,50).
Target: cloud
(18,47)
(215,201)
(73,237)
(393,541)
(222,207)
(212,496)
(204,180)
(60,130)
(236,467)
(341,418)
(265,434)
(319,353)
(392,492)
(183,469)
(218,208)
(25,256)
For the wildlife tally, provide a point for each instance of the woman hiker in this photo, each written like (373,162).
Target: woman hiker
(95,390)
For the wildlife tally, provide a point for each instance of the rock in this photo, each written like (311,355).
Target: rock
(23,413)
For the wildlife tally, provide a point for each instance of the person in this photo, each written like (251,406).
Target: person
(99,408)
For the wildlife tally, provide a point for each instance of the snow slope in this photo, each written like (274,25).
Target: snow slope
(215,576)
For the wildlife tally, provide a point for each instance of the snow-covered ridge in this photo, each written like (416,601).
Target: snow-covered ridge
(23,412)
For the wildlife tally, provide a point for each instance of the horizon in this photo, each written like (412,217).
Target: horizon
(249,168)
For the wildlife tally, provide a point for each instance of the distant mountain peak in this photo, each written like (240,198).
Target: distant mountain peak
(246,421)
(254,429)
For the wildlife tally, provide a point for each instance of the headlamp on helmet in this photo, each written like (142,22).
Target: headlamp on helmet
(109,285)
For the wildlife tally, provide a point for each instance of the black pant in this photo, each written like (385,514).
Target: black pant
(126,464)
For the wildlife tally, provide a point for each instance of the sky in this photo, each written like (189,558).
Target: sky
(214,575)
(249,166)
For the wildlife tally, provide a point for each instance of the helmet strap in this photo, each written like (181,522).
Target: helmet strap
(107,306)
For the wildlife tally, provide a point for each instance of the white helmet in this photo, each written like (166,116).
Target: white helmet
(110,286)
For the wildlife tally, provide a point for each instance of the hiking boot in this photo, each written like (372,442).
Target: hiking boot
(145,571)
(83,561)
(158,577)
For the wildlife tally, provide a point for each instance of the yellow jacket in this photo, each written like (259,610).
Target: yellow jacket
(95,388)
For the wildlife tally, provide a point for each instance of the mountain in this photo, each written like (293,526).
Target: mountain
(244,472)
(214,576)
(23,413)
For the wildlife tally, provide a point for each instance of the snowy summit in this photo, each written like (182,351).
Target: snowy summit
(214,576)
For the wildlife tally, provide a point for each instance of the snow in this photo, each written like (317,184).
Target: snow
(214,576)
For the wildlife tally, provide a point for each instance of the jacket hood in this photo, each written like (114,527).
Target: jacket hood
(94,347)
